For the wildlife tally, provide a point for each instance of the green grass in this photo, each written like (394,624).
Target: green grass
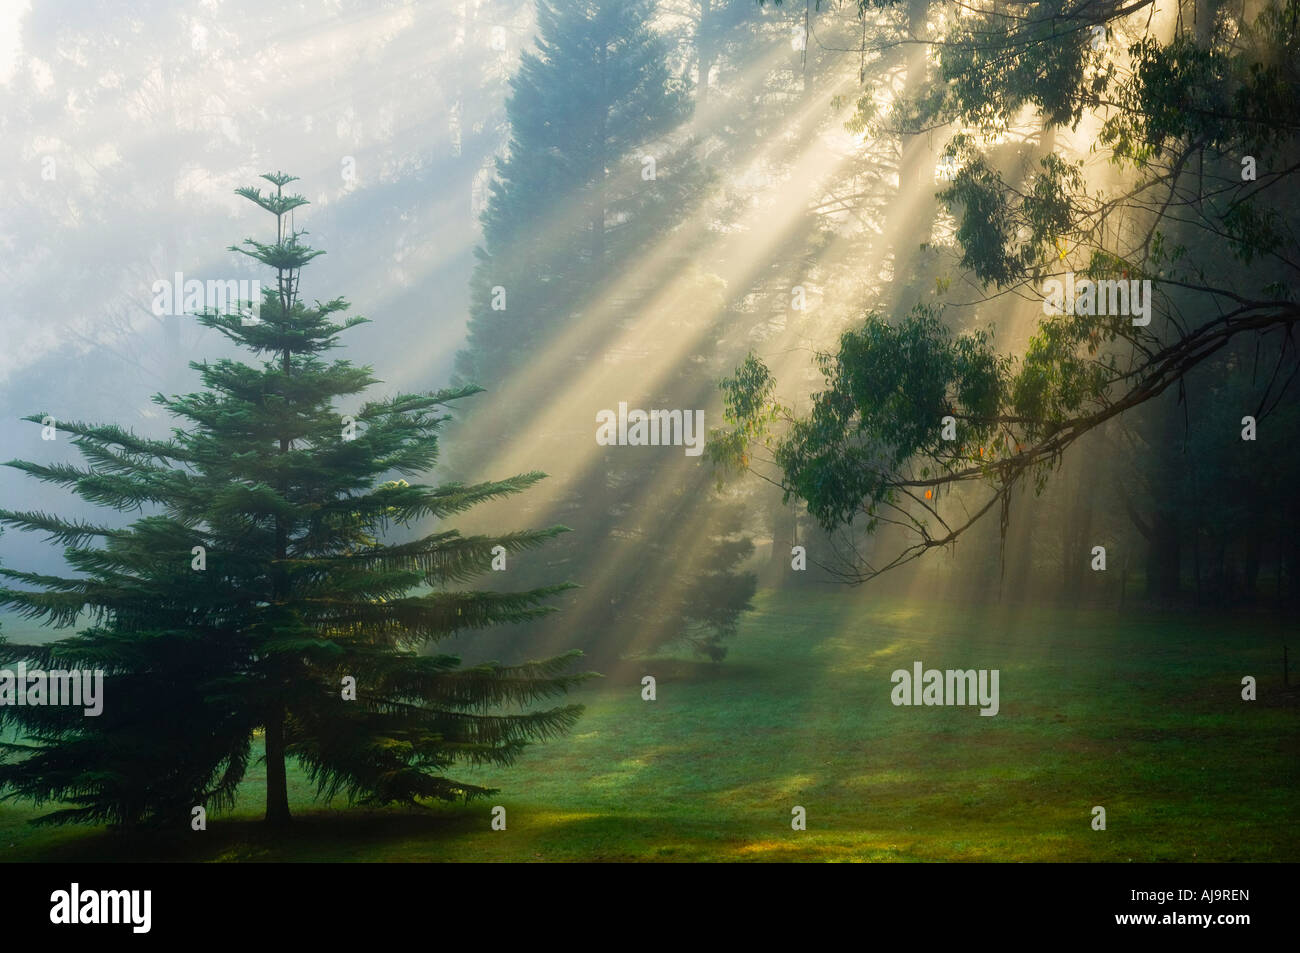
(1141,715)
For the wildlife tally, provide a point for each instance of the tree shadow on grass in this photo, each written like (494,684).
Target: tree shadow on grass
(630,671)
(314,836)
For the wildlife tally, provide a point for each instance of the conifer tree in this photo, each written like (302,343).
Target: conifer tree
(569,198)
(259,592)
(598,171)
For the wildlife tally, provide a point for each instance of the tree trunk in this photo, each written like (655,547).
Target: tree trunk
(915,207)
(784,530)
(1289,566)
(1164,558)
(704,54)
(277,781)
(1196,567)
(1076,544)
(1254,552)
(1024,523)
(1225,573)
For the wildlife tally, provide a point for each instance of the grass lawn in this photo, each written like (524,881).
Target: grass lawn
(1139,714)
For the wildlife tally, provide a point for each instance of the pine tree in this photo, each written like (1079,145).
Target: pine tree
(569,198)
(575,209)
(261,583)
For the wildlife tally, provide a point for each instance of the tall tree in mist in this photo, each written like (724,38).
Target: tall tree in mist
(569,197)
(596,174)
(259,594)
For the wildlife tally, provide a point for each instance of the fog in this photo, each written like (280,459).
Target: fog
(782,205)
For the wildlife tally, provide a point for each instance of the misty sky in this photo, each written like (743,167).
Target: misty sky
(126,127)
